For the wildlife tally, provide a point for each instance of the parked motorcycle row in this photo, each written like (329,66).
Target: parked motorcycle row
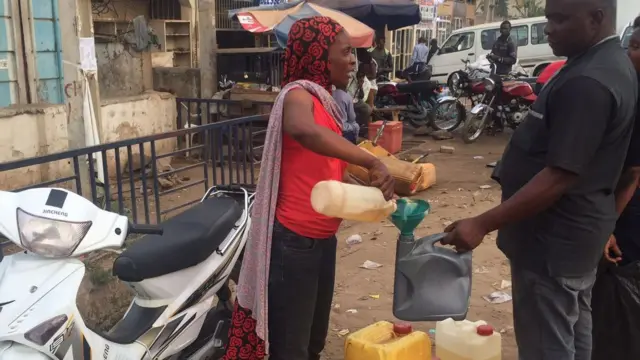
(496,101)
(425,102)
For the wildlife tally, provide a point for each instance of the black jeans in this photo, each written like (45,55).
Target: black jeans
(301,280)
(552,315)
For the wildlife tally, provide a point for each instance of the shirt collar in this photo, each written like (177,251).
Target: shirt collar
(603,41)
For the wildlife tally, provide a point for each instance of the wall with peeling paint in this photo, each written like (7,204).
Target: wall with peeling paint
(119,70)
(134,116)
(35,130)
(28,131)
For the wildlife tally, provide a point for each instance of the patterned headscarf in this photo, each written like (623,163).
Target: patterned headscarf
(307,53)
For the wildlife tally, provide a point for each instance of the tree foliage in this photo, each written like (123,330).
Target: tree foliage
(530,8)
(502,8)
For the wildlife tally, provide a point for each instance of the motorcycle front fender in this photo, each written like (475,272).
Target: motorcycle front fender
(478,109)
(445,98)
(15,351)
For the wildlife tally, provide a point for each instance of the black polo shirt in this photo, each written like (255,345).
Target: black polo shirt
(581,123)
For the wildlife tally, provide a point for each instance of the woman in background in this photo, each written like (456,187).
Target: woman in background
(433,48)
(614,306)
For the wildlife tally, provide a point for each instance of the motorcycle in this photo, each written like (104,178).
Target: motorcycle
(425,104)
(176,273)
(505,101)
(468,83)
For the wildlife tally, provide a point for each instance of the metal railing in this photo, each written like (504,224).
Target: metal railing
(197,112)
(135,181)
(222,12)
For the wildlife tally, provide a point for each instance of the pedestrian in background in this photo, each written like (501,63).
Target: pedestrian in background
(350,128)
(420,52)
(615,303)
(433,48)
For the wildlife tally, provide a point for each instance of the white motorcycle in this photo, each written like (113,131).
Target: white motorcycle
(176,273)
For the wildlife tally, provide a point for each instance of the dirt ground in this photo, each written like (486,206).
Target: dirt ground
(456,195)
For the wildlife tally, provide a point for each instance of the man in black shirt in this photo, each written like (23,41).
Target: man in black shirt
(558,176)
(504,51)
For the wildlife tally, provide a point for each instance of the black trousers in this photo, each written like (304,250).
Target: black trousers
(301,281)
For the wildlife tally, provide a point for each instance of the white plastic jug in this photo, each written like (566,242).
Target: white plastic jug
(350,202)
(466,340)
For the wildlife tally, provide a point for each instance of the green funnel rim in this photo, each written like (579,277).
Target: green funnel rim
(408,223)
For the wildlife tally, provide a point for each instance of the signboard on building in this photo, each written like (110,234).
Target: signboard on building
(427,11)
(271,2)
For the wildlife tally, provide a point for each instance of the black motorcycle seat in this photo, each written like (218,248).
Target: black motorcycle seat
(188,239)
(418,86)
(530,80)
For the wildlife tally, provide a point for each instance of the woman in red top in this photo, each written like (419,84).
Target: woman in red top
(287,277)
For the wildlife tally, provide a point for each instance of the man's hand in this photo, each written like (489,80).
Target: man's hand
(492,57)
(465,234)
(381,178)
(612,248)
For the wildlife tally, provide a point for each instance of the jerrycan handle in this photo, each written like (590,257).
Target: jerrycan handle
(431,240)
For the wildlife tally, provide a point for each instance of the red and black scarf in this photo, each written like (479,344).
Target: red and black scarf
(307,53)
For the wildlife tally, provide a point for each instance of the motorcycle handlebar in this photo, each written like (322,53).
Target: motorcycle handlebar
(145,229)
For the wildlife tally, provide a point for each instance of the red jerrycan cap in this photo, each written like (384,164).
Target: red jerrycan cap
(484,330)
(402,328)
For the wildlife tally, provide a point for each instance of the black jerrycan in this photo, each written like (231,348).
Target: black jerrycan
(432,283)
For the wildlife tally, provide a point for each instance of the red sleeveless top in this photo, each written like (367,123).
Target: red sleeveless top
(300,170)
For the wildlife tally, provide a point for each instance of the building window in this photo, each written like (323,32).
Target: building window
(32,74)
(458,42)
(10,52)
(402,46)
(457,23)
(47,48)
(519,35)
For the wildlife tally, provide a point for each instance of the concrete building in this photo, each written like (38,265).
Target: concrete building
(42,84)
(437,23)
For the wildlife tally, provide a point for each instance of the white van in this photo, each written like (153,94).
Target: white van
(534,53)
(627,12)
(625,35)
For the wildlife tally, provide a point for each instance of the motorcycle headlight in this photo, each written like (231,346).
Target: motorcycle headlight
(49,237)
(489,84)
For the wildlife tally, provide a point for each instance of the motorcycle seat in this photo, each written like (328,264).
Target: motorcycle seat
(188,239)
(418,86)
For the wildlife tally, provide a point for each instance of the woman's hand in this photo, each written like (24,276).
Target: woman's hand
(612,249)
(380,177)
